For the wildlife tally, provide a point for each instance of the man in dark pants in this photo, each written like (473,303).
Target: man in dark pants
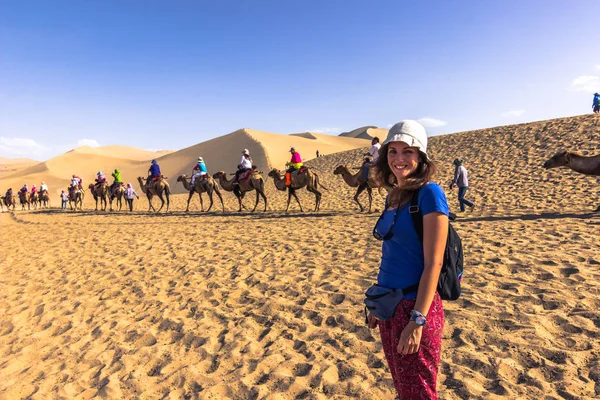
(462,181)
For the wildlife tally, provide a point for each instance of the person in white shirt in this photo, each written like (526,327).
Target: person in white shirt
(244,165)
(43,187)
(374,153)
(374,150)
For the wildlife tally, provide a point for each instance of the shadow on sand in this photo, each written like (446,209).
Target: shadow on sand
(530,217)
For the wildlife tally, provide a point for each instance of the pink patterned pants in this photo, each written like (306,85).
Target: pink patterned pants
(414,375)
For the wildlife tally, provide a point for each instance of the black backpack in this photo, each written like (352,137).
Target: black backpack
(452,267)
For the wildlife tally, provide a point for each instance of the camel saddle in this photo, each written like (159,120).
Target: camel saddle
(157,178)
(115,188)
(294,174)
(246,175)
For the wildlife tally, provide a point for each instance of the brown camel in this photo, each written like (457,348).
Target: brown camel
(33,199)
(100,191)
(76,198)
(356,181)
(255,182)
(582,164)
(206,185)
(24,199)
(10,201)
(44,199)
(301,178)
(118,192)
(156,188)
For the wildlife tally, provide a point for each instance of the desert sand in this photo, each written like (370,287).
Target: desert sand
(178,305)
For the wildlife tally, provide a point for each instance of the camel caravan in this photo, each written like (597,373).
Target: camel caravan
(246,179)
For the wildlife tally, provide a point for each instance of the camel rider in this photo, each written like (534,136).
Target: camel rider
(244,165)
(24,189)
(596,103)
(294,164)
(43,187)
(33,190)
(116,179)
(9,193)
(76,182)
(153,171)
(100,179)
(372,153)
(199,170)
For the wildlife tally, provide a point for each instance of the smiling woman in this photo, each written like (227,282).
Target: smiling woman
(412,336)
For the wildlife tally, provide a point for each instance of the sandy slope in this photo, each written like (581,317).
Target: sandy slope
(12,165)
(183,306)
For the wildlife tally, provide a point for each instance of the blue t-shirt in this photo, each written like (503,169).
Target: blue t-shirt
(402,260)
(201,167)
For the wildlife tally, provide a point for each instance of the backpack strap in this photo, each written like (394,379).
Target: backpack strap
(416,215)
(417,218)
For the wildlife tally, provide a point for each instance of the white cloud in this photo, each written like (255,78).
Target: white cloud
(87,142)
(21,147)
(512,113)
(586,83)
(431,122)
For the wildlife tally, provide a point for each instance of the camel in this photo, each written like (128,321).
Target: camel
(255,182)
(24,199)
(581,164)
(156,189)
(33,199)
(44,199)
(207,185)
(76,197)
(10,201)
(307,178)
(118,192)
(355,181)
(100,191)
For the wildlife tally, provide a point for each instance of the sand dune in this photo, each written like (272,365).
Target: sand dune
(124,152)
(366,132)
(269,305)
(9,161)
(13,165)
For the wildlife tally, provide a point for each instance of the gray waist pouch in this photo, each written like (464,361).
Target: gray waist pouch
(382,302)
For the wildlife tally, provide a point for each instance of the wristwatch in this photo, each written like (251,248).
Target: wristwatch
(419,318)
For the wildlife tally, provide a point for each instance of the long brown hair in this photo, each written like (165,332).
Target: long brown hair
(402,194)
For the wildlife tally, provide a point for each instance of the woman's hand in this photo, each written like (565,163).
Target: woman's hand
(372,321)
(410,339)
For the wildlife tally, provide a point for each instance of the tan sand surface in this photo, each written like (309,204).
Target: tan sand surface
(11,165)
(185,306)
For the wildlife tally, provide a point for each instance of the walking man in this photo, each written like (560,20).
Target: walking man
(462,181)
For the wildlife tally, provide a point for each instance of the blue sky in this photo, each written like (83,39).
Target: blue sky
(170,74)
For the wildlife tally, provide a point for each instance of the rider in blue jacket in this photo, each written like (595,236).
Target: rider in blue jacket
(153,172)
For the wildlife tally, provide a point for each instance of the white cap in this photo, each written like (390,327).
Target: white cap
(200,159)
(245,151)
(410,132)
